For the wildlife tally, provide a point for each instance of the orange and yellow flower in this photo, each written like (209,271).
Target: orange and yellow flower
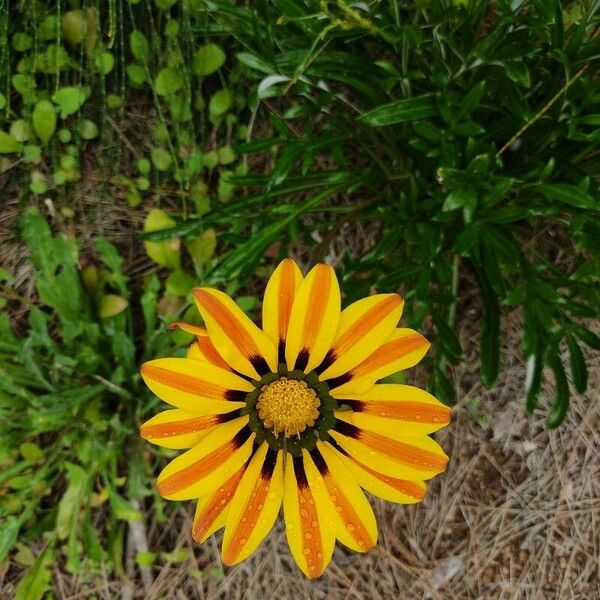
(291,415)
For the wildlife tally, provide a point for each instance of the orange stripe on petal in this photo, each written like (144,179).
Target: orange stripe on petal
(231,326)
(404,411)
(403,349)
(314,315)
(252,512)
(209,352)
(404,453)
(314,319)
(197,470)
(182,382)
(189,328)
(287,291)
(214,506)
(311,537)
(372,317)
(389,352)
(163,430)
(409,488)
(353,522)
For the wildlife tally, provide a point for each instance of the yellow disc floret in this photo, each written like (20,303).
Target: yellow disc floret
(288,406)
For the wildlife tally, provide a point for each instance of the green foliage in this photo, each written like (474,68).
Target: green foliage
(464,130)
(78,394)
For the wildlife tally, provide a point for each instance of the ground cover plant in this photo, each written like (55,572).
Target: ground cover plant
(443,150)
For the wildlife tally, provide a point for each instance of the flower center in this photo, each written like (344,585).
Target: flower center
(288,406)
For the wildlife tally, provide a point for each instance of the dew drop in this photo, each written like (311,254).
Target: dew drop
(435,419)
(350,527)
(308,535)
(306,551)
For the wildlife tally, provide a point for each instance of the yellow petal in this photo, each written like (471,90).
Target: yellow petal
(310,539)
(212,510)
(195,386)
(314,319)
(278,301)
(353,519)
(194,352)
(389,407)
(180,428)
(403,349)
(415,458)
(209,464)
(255,505)
(203,349)
(401,491)
(238,340)
(364,325)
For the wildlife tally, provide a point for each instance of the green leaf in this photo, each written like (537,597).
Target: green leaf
(462,198)
(88,130)
(30,451)
(69,99)
(44,120)
(533,380)
(220,102)
(20,130)
(471,100)
(561,399)
(8,144)
(180,283)
(161,159)
(589,338)
(400,111)
(254,62)
(35,582)
(74,26)
(139,46)
(105,62)
(165,253)
(136,74)
(37,236)
(203,247)
(70,503)
(121,508)
(8,535)
(111,305)
(579,371)
(168,81)
(145,559)
(208,59)
(567,194)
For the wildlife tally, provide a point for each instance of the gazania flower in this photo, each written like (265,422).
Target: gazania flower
(291,415)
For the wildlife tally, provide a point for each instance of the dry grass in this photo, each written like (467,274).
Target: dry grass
(516,515)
